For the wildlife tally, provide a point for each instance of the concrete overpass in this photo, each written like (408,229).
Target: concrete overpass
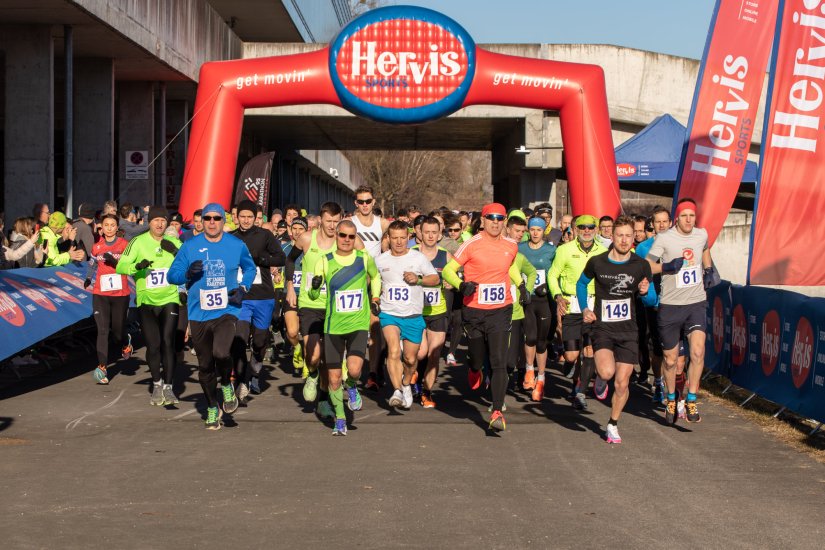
(640,86)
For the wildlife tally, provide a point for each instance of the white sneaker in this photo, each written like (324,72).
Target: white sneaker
(406,392)
(242,391)
(612,435)
(397,399)
(600,389)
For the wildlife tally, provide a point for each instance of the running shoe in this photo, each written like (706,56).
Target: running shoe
(169,397)
(692,412)
(157,394)
(538,391)
(355,403)
(670,412)
(529,381)
(230,400)
(427,400)
(213,418)
(126,353)
(474,378)
(397,399)
(612,435)
(100,375)
(659,392)
(503,408)
(311,388)
(416,387)
(580,402)
(372,383)
(451,362)
(406,393)
(497,422)
(600,389)
(297,357)
(254,385)
(243,392)
(340,427)
(324,410)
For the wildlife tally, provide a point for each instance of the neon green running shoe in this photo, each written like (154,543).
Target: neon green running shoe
(213,418)
(311,388)
(298,358)
(230,401)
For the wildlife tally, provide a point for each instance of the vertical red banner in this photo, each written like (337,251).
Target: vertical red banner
(790,197)
(724,107)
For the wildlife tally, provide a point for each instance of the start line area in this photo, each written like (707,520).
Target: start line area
(91,466)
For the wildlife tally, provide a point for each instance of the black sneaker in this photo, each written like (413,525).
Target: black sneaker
(692,412)
(670,412)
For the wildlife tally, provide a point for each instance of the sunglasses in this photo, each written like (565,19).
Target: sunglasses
(363,201)
(211,218)
(586,226)
(494,217)
(347,236)
(544,211)
(454,229)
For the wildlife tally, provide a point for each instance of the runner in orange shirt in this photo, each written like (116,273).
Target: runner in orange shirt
(488,303)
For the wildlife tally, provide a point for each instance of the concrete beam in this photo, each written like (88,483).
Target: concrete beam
(29,118)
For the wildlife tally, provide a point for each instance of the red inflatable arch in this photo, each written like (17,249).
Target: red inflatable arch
(402,65)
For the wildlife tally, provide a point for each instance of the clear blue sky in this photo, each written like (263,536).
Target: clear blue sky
(666,26)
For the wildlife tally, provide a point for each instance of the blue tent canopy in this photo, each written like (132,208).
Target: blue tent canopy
(654,153)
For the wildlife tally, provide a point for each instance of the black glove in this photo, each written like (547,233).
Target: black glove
(143,264)
(169,246)
(375,308)
(673,266)
(467,288)
(523,295)
(236,296)
(109,260)
(317,281)
(710,278)
(87,283)
(541,290)
(195,270)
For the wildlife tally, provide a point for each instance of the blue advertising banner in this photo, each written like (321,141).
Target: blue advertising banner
(717,345)
(778,347)
(36,303)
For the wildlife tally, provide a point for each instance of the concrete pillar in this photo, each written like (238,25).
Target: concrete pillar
(136,132)
(94,131)
(506,168)
(29,118)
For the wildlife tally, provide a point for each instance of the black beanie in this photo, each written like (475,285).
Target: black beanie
(157,212)
(248,205)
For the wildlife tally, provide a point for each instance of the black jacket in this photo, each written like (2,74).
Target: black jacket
(267,252)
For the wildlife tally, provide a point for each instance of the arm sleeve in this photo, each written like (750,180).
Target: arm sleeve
(289,263)
(247,267)
(127,261)
(581,291)
(14,254)
(177,271)
(553,275)
(375,277)
(274,255)
(450,273)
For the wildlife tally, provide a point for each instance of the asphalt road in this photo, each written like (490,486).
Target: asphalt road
(87,466)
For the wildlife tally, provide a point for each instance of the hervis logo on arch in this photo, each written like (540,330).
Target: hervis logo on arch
(402,64)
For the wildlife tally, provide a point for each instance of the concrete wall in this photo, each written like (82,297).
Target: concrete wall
(29,118)
(182,33)
(136,132)
(94,130)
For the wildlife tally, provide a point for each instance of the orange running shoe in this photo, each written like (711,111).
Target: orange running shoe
(529,381)
(474,378)
(538,391)
(427,400)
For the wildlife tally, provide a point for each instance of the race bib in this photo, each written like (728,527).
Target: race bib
(574,303)
(688,277)
(491,295)
(398,293)
(432,296)
(213,299)
(111,282)
(257,280)
(347,301)
(541,277)
(322,290)
(156,278)
(296,279)
(614,311)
